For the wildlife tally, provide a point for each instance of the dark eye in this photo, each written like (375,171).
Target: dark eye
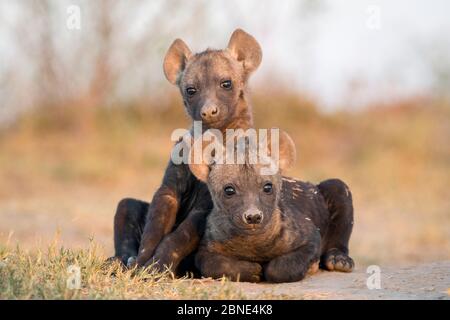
(229,190)
(268,188)
(191,91)
(227,85)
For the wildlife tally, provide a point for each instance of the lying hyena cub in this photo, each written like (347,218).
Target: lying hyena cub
(271,227)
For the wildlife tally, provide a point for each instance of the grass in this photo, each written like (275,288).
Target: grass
(46,274)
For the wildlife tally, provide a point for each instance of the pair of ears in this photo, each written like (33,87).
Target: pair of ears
(285,159)
(242,47)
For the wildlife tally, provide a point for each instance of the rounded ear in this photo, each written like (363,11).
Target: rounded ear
(175,60)
(200,171)
(199,166)
(286,149)
(244,48)
(288,153)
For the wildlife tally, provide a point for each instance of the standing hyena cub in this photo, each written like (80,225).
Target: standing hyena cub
(270,227)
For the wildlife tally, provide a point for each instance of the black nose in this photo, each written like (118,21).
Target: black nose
(209,112)
(253,218)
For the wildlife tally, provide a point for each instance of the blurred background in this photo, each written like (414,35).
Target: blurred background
(362,87)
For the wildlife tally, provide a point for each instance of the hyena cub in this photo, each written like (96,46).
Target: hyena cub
(213,85)
(268,227)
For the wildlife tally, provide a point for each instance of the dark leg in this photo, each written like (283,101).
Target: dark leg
(214,265)
(161,218)
(177,245)
(335,243)
(129,222)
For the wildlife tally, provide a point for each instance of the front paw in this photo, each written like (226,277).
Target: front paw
(242,271)
(252,272)
(278,272)
(336,260)
(162,262)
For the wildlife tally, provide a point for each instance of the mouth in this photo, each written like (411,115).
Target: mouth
(216,123)
(250,228)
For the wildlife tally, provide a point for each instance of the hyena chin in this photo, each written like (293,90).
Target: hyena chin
(266,227)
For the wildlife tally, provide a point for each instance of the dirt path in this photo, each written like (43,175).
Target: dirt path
(426,281)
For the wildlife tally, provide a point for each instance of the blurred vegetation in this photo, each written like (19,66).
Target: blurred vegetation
(66,168)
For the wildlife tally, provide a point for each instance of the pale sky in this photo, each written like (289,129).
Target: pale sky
(345,53)
(342,43)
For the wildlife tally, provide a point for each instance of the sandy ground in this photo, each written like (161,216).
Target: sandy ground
(425,281)
(32,223)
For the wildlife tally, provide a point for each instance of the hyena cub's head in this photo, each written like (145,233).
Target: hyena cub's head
(212,82)
(243,195)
